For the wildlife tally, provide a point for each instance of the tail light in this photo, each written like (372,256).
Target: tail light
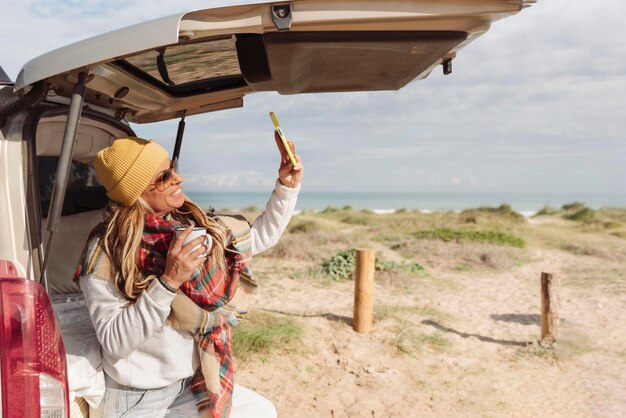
(32,355)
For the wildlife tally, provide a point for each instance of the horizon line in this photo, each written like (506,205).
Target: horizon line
(411,192)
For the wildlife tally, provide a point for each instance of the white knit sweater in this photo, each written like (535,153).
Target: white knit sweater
(138,349)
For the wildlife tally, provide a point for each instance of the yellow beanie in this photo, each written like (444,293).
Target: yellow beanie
(127,166)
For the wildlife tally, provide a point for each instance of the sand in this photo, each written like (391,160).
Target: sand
(458,340)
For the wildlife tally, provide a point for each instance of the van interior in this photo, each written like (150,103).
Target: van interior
(83,206)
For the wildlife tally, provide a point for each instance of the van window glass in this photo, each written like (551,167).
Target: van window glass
(84,191)
(191,63)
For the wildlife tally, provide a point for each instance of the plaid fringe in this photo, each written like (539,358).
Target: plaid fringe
(93,259)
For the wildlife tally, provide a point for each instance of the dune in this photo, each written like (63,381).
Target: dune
(458,338)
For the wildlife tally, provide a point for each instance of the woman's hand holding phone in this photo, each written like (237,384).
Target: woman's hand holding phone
(289,172)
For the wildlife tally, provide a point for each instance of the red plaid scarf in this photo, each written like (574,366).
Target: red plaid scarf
(210,287)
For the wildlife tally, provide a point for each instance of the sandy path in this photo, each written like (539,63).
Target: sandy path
(468,335)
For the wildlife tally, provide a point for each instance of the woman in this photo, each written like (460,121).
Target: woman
(161,310)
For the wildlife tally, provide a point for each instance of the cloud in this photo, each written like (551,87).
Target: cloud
(533,105)
(54,8)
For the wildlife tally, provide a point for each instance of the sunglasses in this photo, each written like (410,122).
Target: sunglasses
(165,179)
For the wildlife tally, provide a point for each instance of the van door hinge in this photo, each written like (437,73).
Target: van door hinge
(281,15)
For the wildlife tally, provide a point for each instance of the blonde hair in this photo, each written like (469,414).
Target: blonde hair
(122,241)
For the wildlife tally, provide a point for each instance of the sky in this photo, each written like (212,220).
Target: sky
(536,104)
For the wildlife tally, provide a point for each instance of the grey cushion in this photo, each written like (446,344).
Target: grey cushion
(67,246)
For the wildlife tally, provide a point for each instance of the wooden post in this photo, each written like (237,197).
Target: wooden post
(549,308)
(364,289)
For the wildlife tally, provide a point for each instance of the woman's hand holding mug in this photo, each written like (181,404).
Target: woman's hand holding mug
(184,257)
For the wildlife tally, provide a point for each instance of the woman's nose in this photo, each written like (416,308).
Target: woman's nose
(178,178)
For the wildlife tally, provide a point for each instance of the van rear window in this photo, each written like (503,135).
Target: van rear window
(84,192)
(183,67)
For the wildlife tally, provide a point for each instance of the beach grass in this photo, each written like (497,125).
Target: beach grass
(322,243)
(503,212)
(262,334)
(535,350)
(407,339)
(455,334)
(417,312)
(485,236)
(610,219)
(303,226)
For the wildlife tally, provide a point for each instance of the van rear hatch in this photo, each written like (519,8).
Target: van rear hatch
(210,59)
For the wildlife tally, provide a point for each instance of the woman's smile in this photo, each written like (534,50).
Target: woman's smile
(164,201)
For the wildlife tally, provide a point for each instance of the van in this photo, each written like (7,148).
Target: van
(68,104)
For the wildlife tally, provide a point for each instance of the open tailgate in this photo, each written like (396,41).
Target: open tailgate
(208,60)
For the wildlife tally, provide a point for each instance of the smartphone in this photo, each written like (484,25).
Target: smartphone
(283,139)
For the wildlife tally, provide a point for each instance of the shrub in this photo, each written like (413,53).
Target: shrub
(583,215)
(354,220)
(303,227)
(469,220)
(573,206)
(546,210)
(503,211)
(342,265)
(399,246)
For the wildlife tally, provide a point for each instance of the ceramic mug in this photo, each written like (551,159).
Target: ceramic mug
(197,231)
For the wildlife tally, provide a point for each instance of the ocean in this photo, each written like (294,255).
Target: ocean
(381,202)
